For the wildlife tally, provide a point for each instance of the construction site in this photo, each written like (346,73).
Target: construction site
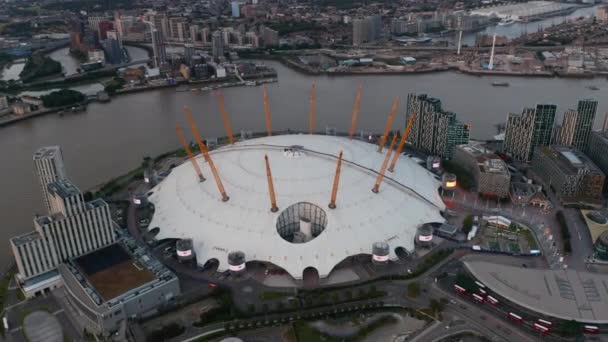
(301,203)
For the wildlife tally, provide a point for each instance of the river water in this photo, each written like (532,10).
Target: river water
(517,29)
(111,138)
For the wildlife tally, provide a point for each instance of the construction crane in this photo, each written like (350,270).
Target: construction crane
(334,190)
(376,187)
(197,168)
(408,128)
(353,124)
(205,151)
(273,198)
(267,111)
(389,122)
(220,100)
(312,109)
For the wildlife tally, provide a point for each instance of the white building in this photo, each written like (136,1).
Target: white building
(72,227)
(48,162)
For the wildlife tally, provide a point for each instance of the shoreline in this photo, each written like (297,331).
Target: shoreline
(262,78)
(298,67)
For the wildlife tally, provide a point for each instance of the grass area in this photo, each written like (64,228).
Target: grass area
(527,234)
(272,295)
(494,246)
(304,332)
(514,247)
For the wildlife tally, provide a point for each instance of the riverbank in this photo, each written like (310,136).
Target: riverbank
(392,70)
(258,79)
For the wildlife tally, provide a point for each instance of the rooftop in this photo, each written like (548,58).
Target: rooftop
(112,271)
(63,188)
(569,159)
(25,238)
(46,152)
(565,294)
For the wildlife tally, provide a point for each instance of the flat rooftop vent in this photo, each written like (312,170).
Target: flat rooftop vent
(572,158)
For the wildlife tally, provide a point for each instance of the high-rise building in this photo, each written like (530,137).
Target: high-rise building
(569,173)
(194,33)
(597,150)
(188,53)
(217,44)
(434,130)
(367,30)
(253,39)
(586,110)
(112,48)
(205,33)
(50,168)
(534,127)
(564,134)
(544,121)
(270,37)
(158,48)
(72,227)
(179,29)
(236,11)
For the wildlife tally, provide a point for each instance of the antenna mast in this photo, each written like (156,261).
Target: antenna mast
(273,198)
(267,111)
(312,109)
(353,124)
(376,187)
(220,100)
(197,168)
(205,151)
(334,190)
(389,122)
(408,128)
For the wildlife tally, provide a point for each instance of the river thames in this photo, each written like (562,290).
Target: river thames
(112,138)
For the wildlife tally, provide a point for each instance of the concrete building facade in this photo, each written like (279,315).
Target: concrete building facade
(569,173)
(491,175)
(534,127)
(72,227)
(434,130)
(48,162)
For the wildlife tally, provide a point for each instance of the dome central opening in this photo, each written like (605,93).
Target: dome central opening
(301,222)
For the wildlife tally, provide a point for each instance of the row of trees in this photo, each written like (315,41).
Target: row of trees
(565,232)
(63,97)
(39,65)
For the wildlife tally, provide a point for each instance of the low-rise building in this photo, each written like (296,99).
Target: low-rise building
(597,150)
(528,194)
(491,174)
(569,173)
(118,282)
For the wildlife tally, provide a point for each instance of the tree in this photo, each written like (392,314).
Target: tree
(570,328)
(413,289)
(436,306)
(63,97)
(467,224)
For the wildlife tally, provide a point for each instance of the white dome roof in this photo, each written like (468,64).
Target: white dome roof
(185,208)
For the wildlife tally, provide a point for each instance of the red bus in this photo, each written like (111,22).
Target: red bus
(545,323)
(482,292)
(541,328)
(492,300)
(478,298)
(460,289)
(515,318)
(591,329)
